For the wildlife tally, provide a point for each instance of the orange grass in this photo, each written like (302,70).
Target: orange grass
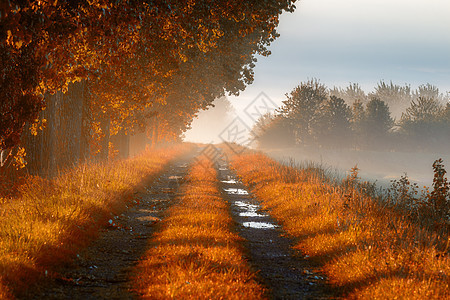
(195,255)
(367,251)
(51,220)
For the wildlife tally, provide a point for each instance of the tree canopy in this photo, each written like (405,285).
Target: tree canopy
(137,56)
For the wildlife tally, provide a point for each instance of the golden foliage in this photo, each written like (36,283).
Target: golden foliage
(133,54)
(19,161)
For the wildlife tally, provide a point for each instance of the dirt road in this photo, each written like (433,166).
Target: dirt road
(103,271)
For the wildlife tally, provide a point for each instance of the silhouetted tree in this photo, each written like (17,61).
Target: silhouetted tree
(300,108)
(423,123)
(423,109)
(332,124)
(353,92)
(377,123)
(272,131)
(395,96)
(357,123)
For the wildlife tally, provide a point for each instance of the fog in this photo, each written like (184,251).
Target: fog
(378,163)
(209,124)
(378,166)
(353,41)
(388,133)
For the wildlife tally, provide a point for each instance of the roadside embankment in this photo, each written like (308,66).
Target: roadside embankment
(366,250)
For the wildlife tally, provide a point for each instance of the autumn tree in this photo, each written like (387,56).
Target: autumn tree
(138,58)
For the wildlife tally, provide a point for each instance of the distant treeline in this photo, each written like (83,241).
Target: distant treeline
(393,118)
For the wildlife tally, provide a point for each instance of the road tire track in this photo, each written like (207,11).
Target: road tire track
(103,270)
(286,273)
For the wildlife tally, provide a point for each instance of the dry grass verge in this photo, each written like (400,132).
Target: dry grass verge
(367,251)
(51,220)
(195,255)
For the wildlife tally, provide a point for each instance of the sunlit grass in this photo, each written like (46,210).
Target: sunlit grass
(368,251)
(195,255)
(51,220)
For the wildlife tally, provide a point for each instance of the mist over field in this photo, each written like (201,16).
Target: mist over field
(375,166)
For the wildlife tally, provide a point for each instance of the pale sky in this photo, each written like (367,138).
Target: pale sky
(360,41)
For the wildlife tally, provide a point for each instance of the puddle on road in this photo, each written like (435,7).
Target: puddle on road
(236,191)
(259,225)
(246,205)
(249,210)
(232,181)
(251,214)
(246,209)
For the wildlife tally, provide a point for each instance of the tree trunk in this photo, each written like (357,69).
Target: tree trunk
(138,142)
(105,127)
(121,143)
(59,144)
